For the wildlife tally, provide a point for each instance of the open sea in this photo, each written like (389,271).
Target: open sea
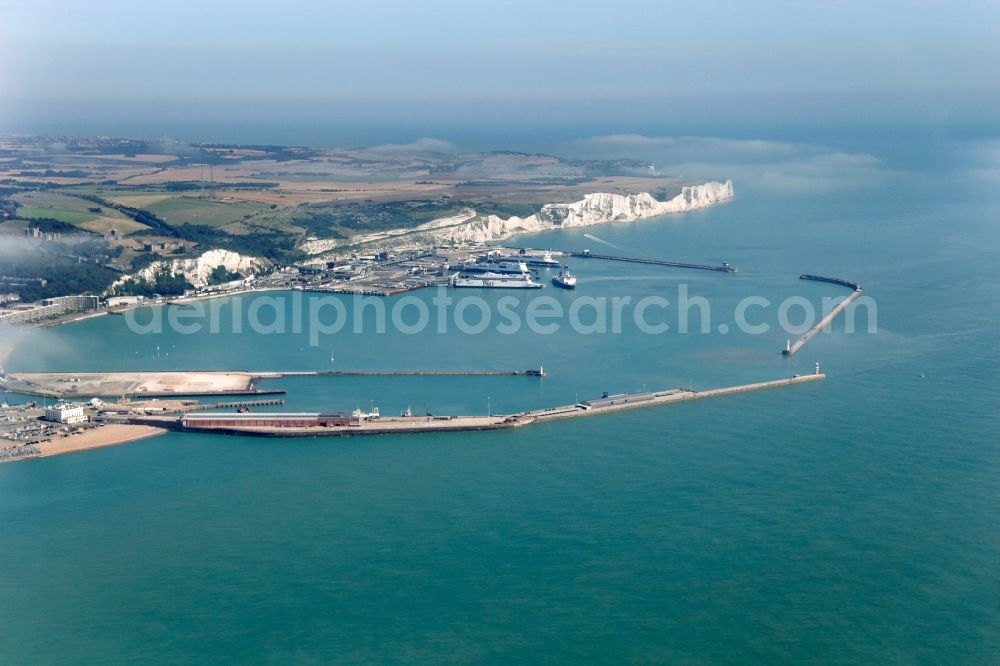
(854,520)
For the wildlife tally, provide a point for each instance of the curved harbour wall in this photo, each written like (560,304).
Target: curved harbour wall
(793,347)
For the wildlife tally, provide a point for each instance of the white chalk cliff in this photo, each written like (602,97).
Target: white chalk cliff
(198,269)
(592,209)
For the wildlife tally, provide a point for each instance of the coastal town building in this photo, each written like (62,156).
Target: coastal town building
(120,301)
(65,412)
(49,308)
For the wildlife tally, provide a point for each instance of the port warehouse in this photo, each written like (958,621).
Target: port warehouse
(272,420)
(50,307)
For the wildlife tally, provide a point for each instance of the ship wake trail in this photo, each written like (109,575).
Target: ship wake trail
(603,242)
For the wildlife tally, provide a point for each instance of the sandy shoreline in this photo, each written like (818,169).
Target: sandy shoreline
(94,438)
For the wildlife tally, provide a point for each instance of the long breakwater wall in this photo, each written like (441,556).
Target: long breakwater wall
(724,268)
(666,397)
(420,424)
(531,372)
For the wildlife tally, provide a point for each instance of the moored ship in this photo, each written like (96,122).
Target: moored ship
(536,259)
(489,280)
(564,279)
(498,266)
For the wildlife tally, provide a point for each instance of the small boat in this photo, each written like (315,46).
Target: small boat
(564,279)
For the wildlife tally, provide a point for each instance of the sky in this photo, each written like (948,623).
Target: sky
(468,64)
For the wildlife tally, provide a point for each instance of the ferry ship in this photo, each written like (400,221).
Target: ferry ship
(496,281)
(537,259)
(564,279)
(498,266)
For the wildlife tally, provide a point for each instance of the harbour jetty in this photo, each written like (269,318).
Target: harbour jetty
(531,372)
(587,254)
(283,424)
(792,347)
(122,428)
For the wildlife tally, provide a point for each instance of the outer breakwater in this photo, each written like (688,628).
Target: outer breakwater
(586,254)
(792,347)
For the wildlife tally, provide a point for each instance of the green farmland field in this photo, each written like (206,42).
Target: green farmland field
(176,211)
(75,211)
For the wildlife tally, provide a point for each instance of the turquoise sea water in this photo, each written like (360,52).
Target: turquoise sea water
(852,520)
